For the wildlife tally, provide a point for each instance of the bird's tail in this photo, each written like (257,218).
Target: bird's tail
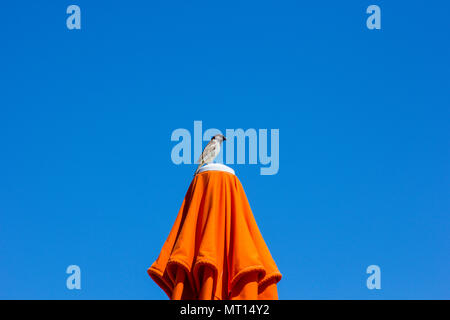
(198,168)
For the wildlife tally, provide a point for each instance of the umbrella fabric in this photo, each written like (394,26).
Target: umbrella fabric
(215,249)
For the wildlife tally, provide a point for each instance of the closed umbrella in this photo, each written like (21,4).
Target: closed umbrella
(215,250)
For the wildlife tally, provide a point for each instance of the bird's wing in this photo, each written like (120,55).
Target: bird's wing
(208,152)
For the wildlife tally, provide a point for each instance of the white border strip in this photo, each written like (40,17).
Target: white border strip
(216,167)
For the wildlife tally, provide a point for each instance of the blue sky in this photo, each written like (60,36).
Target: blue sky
(86,117)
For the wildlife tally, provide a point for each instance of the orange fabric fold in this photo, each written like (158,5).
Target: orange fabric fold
(215,249)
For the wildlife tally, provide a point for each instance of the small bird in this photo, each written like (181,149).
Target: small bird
(211,151)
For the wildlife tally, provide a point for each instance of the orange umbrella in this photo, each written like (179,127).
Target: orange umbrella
(215,250)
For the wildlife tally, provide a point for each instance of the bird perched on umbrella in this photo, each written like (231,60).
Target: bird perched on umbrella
(211,151)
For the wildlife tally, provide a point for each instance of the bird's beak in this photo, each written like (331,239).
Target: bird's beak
(224,138)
